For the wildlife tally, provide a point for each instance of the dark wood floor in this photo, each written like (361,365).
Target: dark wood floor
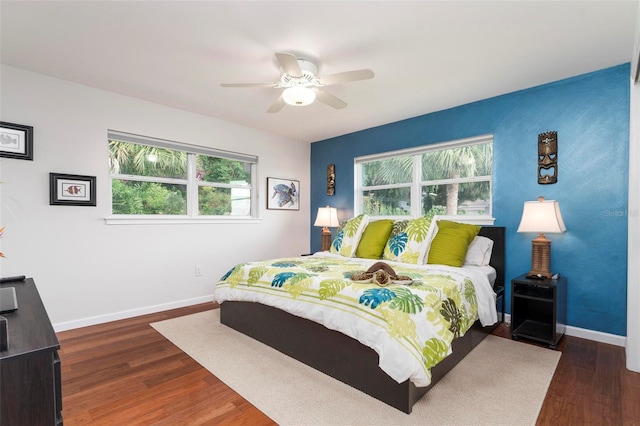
(125,373)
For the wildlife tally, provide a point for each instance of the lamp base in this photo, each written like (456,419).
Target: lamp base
(532,275)
(540,257)
(326,239)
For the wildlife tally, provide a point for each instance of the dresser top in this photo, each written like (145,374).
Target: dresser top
(29,327)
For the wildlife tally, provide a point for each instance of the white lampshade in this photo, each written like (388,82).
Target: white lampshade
(327,217)
(542,216)
(298,96)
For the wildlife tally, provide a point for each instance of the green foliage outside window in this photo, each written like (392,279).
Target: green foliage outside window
(443,186)
(133,194)
(130,197)
(222,170)
(214,201)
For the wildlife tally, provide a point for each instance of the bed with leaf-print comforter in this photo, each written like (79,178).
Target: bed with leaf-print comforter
(411,327)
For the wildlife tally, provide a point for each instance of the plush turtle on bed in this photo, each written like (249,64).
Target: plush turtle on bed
(380,273)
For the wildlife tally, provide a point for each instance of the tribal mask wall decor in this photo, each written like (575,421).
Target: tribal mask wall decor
(331,179)
(547,158)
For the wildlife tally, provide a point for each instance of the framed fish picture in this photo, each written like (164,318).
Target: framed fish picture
(16,141)
(283,194)
(72,190)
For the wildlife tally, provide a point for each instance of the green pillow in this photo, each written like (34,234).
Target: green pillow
(450,245)
(374,238)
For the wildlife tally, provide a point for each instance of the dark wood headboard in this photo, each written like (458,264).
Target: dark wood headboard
(496,233)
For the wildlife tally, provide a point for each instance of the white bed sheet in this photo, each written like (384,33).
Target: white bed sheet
(394,359)
(484,278)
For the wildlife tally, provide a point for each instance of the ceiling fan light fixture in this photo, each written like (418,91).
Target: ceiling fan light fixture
(298,96)
(301,84)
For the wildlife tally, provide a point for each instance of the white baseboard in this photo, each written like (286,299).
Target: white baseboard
(99,319)
(598,336)
(583,333)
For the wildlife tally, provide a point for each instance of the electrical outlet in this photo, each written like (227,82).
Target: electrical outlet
(198,270)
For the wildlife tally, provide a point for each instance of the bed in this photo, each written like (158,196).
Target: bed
(341,351)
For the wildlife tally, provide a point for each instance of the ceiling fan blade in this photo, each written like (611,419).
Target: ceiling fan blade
(247,84)
(277,105)
(345,77)
(329,99)
(289,64)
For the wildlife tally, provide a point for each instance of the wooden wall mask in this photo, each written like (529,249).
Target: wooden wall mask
(331,179)
(547,158)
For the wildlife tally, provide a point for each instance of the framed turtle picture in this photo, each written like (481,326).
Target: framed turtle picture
(283,194)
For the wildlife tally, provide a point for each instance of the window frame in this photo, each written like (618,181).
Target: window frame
(417,183)
(191,183)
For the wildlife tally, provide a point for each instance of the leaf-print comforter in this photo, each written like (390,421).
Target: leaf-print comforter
(411,327)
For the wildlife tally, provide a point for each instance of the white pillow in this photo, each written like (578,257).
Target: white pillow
(431,234)
(408,241)
(347,239)
(433,230)
(479,251)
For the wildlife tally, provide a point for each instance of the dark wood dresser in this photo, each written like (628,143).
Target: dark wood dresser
(30,382)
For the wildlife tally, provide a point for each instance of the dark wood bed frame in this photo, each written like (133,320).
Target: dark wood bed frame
(327,350)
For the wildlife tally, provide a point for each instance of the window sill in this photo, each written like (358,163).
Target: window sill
(473,220)
(175,220)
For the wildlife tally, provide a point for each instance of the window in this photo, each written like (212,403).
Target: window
(451,178)
(158,178)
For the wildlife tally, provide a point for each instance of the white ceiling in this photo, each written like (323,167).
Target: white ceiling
(427,55)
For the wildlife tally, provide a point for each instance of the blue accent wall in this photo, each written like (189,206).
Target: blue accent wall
(590,112)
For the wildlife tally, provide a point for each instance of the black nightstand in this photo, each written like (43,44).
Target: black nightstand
(538,309)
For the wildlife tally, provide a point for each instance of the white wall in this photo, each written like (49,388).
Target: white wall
(88,272)
(633,272)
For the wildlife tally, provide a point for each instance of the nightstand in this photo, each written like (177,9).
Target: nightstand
(538,309)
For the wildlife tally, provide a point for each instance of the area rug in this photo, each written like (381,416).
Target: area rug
(501,382)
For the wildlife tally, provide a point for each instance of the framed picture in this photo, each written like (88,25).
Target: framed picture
(16,141)
(72,190)
(283,194)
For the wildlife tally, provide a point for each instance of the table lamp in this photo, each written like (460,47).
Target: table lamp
(541,216)
(327,217)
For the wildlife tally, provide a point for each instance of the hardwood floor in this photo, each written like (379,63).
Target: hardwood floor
(125,373)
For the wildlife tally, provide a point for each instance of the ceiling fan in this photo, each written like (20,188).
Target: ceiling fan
(302,85)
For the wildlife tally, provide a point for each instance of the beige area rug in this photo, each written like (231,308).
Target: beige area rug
(501,382)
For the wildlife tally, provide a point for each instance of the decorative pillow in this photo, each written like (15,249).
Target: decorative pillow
(348,236)
(374,238)
(450,245)
(479,252)
(408,241)
(433,230)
